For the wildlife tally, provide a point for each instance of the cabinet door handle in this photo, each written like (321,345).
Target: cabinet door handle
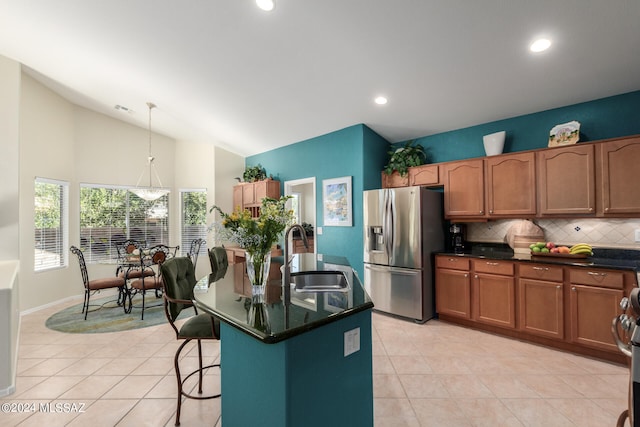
(491,211)
(558,286)
(466,275)
(573,288)
(475,277)
(606,209)
(453,260)
(541,268)
(481,212)
(493,263)
(593,273)
(590,209)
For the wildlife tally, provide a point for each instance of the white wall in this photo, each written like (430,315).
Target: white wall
(9,161)
(60,140)
(46,150)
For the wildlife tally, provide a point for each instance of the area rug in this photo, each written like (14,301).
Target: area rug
(107,316)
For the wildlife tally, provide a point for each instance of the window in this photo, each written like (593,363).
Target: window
(194,218)
(111,214)
(51,219)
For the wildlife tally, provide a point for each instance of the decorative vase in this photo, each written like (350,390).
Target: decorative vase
(494,143)
(258,316)
(258,271)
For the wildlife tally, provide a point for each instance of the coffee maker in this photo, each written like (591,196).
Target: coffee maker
(456,236)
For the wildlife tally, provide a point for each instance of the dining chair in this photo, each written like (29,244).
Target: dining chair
(129,255)
(194,250)
(96,285)
(179,280)
(219,262)
(151,259)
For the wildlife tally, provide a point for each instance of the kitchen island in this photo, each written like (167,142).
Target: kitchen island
(308,362)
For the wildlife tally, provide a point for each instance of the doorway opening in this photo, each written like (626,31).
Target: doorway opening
(303,204)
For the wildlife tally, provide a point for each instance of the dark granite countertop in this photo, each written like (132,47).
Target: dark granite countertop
(618,259)
(228,299)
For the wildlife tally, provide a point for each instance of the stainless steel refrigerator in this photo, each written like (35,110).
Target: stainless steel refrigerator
(402,228)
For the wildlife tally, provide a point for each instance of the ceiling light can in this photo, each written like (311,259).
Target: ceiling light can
(266,5)
(380,100)
(540,45)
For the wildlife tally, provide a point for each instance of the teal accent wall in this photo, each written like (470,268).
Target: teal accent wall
(359,152)
(356,151)
(604,118)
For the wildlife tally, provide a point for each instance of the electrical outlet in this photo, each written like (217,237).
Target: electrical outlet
(351,341)
(637,236)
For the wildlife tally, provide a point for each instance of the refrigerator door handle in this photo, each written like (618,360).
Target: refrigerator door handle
(394,270)
(388,225)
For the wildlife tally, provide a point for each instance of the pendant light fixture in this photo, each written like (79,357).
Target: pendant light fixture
(149,193)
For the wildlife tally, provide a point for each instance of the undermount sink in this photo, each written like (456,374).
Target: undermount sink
(320,281)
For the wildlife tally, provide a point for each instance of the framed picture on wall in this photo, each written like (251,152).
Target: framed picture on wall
(336,202)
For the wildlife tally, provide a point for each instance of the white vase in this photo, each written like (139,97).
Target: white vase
(494,143)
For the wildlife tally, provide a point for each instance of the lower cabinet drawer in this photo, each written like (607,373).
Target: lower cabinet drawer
(452,262)
(493,267)
(597,277)
(540,271)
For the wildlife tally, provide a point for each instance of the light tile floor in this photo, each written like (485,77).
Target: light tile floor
(436,374)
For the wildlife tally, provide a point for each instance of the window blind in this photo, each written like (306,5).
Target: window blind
(51,207)
(193,219)
(111,214)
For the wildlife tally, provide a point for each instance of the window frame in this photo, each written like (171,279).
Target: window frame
(185,245)
(63,243)
(110,255)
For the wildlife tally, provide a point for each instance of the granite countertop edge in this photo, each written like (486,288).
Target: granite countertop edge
(611,258)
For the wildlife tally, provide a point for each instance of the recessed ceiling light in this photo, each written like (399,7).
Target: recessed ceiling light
(266,5)
(540,45)
(380,100)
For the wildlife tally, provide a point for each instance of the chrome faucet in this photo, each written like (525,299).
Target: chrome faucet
(286,274)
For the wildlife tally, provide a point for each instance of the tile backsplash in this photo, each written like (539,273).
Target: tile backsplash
(613,233)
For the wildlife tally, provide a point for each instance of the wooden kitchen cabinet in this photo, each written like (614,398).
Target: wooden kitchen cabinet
(249,195)
(237,197)
(566,181)
(617,162)
(299,248)
(541,300)
(453,286)
(510,185)
(464,189)
(493,293)
(594,301)
(425,175)
(394,180)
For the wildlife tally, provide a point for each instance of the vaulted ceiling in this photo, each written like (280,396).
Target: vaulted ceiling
(228,73)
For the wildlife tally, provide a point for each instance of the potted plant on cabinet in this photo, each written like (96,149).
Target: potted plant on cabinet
(254,173)
(400,160)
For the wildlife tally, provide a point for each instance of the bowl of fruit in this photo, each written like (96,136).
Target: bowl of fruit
(579,250)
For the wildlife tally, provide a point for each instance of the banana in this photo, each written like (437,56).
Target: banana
(581,248)
(582,251)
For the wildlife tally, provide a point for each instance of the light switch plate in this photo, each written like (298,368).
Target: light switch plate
(319,230)
(351,341)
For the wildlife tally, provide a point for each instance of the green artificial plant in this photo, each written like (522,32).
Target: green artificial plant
(402,158)
(254,173)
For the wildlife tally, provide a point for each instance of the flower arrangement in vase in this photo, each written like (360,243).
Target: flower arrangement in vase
(256,235)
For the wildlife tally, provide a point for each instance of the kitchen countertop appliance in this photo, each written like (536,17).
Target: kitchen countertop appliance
(403,227)
(631,348)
